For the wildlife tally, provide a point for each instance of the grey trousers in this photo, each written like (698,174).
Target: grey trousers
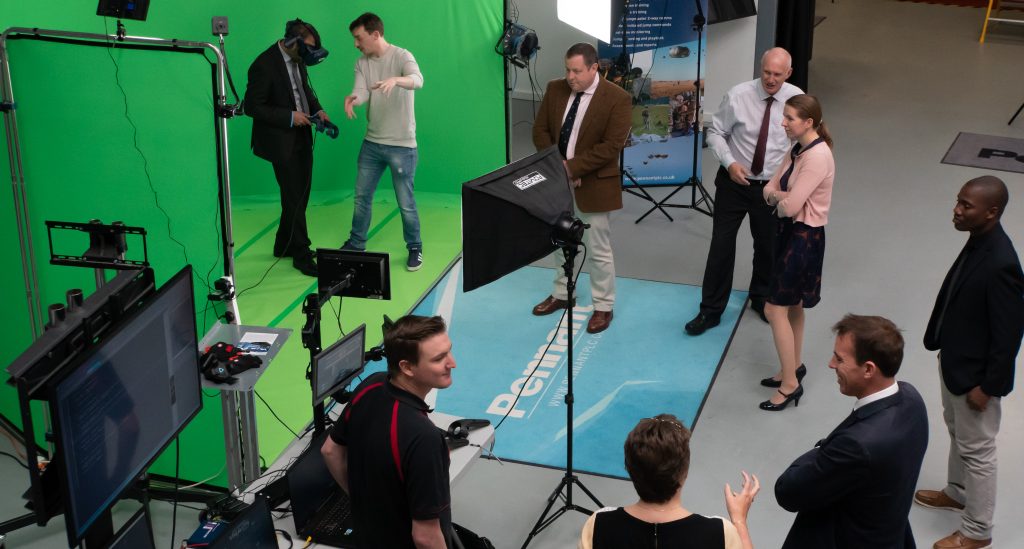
(971,473)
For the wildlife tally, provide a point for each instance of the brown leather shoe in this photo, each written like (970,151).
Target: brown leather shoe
(549,305)
(937,499)
(599,321)
(956,540)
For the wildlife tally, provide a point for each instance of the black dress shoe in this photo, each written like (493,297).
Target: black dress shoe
(776,383)
(757,305)
(793,397)
(701,323)
(305,264)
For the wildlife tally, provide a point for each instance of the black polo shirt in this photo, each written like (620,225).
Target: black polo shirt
(397,464)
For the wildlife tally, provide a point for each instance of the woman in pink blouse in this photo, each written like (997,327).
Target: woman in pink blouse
(801,192)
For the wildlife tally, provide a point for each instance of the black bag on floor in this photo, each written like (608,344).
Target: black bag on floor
(466,539)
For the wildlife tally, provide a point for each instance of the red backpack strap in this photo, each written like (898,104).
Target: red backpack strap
(395,454)
(367,389)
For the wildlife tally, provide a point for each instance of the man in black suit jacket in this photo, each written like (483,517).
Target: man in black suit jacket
(280,102)
(855,487)
(976,324)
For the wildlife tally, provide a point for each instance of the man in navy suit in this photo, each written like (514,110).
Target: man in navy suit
(976,324)
(855,487)
(280,102)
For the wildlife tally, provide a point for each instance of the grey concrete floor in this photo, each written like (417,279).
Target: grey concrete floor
(897,80)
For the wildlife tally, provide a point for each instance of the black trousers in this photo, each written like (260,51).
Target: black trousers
(732,202)
(294,178)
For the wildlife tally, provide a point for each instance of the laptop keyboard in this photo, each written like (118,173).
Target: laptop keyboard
(336,517)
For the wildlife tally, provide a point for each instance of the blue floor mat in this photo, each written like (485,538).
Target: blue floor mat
(641,366)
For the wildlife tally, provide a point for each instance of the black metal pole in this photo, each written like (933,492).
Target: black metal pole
(568,479)
(311,341)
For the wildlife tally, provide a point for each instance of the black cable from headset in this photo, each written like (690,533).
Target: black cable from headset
(291,233)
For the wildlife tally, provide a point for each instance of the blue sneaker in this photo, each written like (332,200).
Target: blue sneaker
(415,260)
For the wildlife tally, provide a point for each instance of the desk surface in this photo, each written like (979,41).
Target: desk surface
(461,459)
(234,334)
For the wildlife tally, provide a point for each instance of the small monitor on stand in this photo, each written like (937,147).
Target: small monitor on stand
(368,273)
(137,533)
(336,366)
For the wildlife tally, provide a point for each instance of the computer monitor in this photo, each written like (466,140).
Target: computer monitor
(370,273)
(137,533)
(252,529)
(125,400)
(336,366)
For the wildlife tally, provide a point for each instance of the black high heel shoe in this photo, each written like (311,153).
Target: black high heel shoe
(794,397)
(776,383)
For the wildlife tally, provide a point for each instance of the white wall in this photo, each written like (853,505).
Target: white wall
(730,59)
(730,48)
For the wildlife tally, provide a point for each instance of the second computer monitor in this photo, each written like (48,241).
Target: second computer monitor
(336,366)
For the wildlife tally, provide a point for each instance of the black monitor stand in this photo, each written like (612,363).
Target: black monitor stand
(342,273)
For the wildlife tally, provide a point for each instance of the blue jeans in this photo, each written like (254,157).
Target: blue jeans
(373,158)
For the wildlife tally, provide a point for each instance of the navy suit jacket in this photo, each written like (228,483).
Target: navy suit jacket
(269,101)
(855,488)
(981,330)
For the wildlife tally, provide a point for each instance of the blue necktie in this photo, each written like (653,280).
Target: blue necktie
(570,119)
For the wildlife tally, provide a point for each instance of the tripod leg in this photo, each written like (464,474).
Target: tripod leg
(592,497)
(541,522)
(1014,117)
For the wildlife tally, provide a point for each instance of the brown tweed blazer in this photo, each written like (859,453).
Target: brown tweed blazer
(601,138)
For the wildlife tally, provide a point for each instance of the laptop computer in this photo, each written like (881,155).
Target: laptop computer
(321,509)
(252,529)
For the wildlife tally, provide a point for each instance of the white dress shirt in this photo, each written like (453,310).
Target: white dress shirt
(581,110)
(734,129)
(887,392)
(292,69)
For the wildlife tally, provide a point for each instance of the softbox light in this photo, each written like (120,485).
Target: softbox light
(509,216)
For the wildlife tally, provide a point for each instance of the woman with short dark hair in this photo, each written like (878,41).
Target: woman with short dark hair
(658,460)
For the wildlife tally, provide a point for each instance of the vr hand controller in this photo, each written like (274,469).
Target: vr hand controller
(323,126)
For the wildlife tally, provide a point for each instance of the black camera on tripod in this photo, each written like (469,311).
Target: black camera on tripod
(323,126)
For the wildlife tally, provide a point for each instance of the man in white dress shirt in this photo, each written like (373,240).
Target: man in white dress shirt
(747,137)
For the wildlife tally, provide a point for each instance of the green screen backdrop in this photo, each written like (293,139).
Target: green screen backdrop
(80,158)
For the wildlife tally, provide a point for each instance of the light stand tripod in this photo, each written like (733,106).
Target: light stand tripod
(569,249)
(624,66)
(694,182)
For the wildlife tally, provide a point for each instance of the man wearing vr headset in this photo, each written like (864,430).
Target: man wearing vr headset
(385,78)
(281,103)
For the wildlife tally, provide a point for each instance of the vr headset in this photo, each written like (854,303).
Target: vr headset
(311,55)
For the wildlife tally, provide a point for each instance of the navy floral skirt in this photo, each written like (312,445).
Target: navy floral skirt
(796,274)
